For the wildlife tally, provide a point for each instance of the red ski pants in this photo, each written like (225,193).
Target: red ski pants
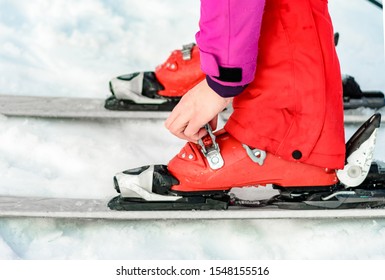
(294,106)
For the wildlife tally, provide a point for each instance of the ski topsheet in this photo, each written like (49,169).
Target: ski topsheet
(70,208)
(62,107)
(93,108)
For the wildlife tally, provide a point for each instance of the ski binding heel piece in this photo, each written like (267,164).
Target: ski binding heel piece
(359,153)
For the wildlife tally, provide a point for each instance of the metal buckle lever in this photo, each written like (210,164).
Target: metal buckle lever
(256,155)
(186,51)
(210,149)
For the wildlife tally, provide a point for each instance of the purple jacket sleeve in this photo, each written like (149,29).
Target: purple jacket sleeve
(228,43)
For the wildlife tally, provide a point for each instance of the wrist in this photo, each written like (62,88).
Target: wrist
(222,90)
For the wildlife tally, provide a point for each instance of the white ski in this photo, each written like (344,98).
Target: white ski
(93,108)
(62,107)
(35,207)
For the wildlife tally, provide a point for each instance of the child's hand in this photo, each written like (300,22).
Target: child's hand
(199,106)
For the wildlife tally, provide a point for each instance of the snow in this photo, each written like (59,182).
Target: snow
(73,48)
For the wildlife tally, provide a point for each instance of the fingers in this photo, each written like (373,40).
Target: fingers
(196,108)
(185,128)
(194,132)
(176,123)
(214,123)
(184,121)
(178,128)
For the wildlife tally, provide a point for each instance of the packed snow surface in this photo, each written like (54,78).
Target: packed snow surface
(72,48)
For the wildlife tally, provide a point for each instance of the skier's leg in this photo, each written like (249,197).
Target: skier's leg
(293,108)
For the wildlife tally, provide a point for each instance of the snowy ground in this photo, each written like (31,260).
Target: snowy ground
(72,48)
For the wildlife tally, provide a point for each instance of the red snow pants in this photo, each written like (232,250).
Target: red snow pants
(294,106)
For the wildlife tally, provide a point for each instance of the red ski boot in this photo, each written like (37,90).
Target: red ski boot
(220,162)
(201,176)
(180,72)
(160,90)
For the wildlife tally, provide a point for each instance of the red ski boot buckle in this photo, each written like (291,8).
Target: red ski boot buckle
(210,149)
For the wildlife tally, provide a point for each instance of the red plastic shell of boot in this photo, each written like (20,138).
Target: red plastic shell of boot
(178,75)
(190,167)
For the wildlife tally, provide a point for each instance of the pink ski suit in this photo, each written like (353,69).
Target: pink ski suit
(279,61)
